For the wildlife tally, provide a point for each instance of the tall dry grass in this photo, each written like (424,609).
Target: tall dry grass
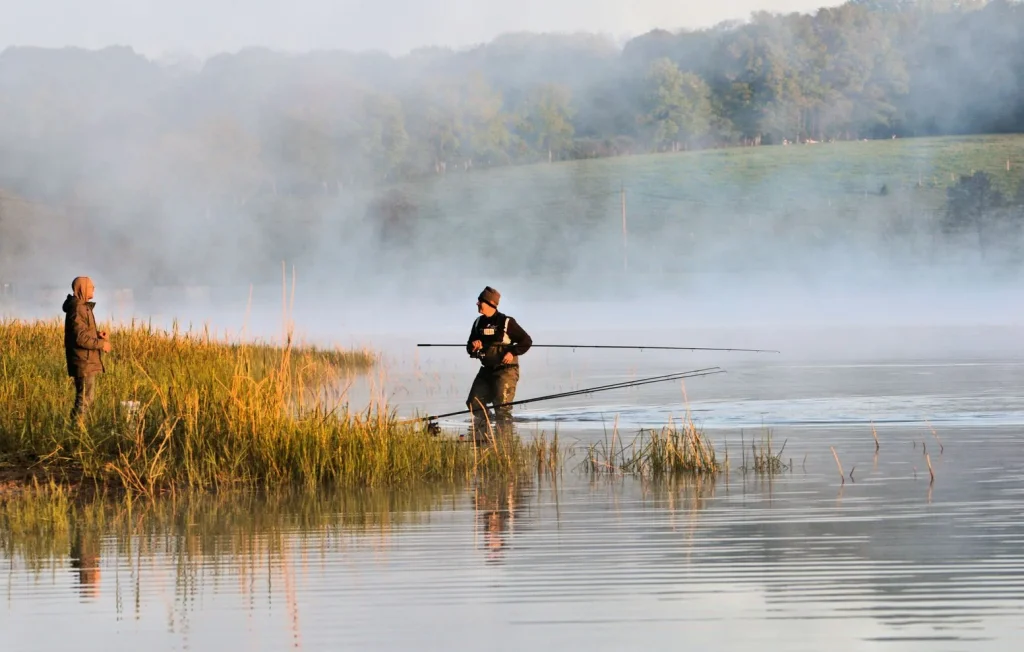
(177,410)
(187,410)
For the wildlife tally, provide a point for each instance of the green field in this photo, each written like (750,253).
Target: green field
(744,204)
(929,164)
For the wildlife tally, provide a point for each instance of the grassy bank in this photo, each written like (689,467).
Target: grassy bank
(184,410)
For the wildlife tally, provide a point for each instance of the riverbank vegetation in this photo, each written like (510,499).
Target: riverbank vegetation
(187,411)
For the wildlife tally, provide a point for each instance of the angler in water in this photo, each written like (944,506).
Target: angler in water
(497,340)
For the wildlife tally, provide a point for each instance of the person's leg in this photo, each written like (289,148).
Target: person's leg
(85,387)
(76,409)
(480,394)
(90,391)
(504,393)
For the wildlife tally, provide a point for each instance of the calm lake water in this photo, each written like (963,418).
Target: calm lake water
(800,561)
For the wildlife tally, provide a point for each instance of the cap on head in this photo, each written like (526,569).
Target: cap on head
(82,287)
(490,296)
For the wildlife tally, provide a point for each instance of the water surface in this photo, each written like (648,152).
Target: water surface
(883,559)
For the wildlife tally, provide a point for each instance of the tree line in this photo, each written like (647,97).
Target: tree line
(264,122)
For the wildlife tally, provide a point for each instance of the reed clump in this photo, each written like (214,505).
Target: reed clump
(177,410)
(508,456)
(764,459)
(667,452)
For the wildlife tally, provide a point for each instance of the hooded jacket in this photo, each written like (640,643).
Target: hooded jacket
(82,344)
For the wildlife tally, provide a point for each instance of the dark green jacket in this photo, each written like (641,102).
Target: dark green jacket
(82,344)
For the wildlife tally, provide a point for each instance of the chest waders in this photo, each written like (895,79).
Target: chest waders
(494,384)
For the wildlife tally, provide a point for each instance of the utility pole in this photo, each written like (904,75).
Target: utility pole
(625,247)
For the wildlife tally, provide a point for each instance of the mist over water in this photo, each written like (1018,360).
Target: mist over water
(367,199)
(396,182)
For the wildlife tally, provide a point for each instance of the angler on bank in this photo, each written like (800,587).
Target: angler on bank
(84,343)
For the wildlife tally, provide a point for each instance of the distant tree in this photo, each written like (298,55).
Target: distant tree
(219,158)
(303,154)
(393,218)
(435,124)
(748,71)
(677,106)
(546,120)
(383,135)
(1018,198)
(456,120)
(972,204)
(970,199)
(486,125)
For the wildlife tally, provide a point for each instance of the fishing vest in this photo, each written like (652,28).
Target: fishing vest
(496,344)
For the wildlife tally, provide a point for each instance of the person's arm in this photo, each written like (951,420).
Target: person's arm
(469,342)
(85,336)
(521,340)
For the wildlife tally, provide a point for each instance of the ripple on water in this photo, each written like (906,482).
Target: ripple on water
(610,564)
(801,561)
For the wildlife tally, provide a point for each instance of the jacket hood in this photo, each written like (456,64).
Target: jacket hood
(72,302)
(82,287)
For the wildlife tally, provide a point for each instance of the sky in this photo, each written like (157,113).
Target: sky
(200,28)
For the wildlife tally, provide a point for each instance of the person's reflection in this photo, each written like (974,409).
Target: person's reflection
(496,505)
(85,558)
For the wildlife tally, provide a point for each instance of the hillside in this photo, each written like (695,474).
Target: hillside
(779,209)
(737,205)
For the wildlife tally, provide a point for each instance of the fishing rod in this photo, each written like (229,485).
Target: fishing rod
(696,373)
(617,346)
(590,390)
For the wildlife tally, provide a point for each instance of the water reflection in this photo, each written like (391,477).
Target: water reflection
(606,563)
(85,558)
(496,505)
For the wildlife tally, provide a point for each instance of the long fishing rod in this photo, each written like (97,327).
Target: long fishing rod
(616,346)
(696,373)
(591,390)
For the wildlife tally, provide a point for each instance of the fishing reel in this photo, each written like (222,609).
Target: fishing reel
(433,429)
